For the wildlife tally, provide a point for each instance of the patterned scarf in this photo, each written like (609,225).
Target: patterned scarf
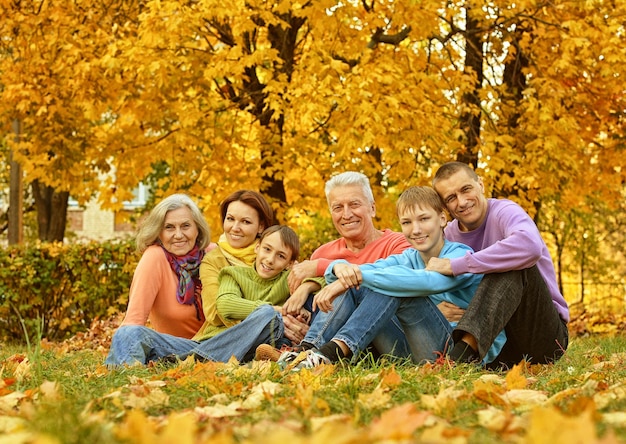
(187,268)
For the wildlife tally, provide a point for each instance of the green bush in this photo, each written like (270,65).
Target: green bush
(54,290)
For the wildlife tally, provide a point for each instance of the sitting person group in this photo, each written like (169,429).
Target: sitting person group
(479,289)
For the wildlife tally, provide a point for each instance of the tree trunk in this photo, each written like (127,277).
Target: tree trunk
(16,195)
(470,120)
(51,212)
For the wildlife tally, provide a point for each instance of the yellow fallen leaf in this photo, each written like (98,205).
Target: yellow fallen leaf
(49,390)
(9,402)
(524,399)
(22,371)
(11,424)
(615,419)
(180,429)
(17,438)
(514,377)
(398,423)
(260,393)
(612,394)
(220,411)
(547,425)
(442,433)
(377,399)
(493,419)
(489,392)
(445,400)
(155,397)
(318,422)
(136,428)
(390,378)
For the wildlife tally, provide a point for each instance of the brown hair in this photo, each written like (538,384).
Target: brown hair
(287,235)
(253,199)
(450,168)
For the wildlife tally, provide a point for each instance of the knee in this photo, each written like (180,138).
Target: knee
(129,332)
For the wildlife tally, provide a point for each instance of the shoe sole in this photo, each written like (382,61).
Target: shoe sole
(266,352)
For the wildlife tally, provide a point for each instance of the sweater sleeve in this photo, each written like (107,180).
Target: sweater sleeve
(148,278)
(210,268)
(232,304)
(511,241)
(403,275)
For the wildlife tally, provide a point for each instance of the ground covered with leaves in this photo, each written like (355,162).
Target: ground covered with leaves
(61,393)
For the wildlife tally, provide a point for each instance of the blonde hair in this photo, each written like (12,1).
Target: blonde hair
(414,197)
(152,225)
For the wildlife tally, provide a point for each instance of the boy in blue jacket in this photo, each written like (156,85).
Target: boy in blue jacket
(398,285)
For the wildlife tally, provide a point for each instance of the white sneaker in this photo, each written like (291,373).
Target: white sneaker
(305,359)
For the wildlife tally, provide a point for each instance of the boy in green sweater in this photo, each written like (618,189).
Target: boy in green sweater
(243,289)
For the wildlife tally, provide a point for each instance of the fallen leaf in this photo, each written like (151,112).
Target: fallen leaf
(398,423)
(514,377)
(260,393)
(524,399)
(219,410)
(377,399)
(547,425)
(444,401)
(9,402)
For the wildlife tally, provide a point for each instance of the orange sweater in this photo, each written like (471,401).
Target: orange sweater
(153,296)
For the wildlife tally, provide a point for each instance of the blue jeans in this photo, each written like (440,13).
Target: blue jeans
(362,316)
(139,344)
(390,339)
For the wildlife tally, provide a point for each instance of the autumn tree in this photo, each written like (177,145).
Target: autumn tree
(278,96)
(49,58)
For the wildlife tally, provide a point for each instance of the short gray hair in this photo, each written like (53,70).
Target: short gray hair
(350,178)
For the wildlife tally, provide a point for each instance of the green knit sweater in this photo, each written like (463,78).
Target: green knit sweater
(242,290)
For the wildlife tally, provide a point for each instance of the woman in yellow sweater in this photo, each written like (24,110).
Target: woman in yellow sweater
(245,214)
(249,299)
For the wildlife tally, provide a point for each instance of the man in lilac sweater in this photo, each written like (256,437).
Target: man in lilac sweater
(519,292)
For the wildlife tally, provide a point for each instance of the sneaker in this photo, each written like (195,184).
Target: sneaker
(305,359)
(287,358)
(265,352)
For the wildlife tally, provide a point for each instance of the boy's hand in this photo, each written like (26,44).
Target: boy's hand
(295,328)
(325,297)
(451,311)
(348,274)
(295,302)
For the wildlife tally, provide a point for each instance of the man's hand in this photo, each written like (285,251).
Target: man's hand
(295,328)
(440,265)
(325,297)
(299,272)
(451,311)
(348,274)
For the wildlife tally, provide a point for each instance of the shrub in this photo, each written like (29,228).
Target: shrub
(55,290)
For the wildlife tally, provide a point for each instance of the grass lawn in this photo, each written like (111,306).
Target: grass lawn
(61,393)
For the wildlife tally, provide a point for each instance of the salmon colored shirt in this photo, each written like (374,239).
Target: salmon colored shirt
(389,243)
(153,296)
